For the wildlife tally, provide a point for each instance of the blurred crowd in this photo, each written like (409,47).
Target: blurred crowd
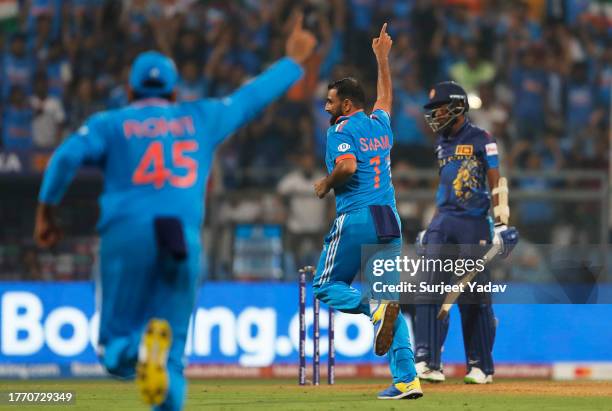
(539,74)
(540,71)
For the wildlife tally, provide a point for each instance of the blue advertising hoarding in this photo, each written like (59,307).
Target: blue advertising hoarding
(256,324)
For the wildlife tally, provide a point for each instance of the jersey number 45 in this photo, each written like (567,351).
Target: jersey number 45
(152,170)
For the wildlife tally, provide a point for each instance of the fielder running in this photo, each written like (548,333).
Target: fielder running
(156,156)
(358,161)
(467,157)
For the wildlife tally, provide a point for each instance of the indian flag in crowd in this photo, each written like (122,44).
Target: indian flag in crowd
(9,11)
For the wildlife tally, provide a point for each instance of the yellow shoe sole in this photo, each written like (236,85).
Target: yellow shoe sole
(384,336)
(152,371)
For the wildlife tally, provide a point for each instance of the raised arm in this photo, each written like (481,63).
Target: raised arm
(384,93)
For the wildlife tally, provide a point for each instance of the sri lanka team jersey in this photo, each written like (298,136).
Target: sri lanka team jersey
(464,160)
(156,155)
(367,139)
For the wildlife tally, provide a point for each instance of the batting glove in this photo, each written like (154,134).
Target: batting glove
(506,238)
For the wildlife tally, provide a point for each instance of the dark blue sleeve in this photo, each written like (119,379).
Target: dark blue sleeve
(87,145)
(488,147)
(232,112)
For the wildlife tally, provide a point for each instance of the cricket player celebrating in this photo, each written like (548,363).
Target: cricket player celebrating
(467,157)
(358,161)
(156,156)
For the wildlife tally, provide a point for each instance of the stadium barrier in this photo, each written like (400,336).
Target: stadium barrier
(49,330)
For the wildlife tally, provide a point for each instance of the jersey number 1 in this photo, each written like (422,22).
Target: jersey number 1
(152,170)
(375,161)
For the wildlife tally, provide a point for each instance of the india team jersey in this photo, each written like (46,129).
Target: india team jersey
(367,139)
(464,160)
(156,155)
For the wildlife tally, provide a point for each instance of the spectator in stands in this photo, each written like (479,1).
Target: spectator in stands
(473,70)
(411,141)
(426,25)
(459,23)
(307,215)
(52,9)
(49,114)
(17,66)
(17,121)
(604,78)
(83,104)
(404,58)
(192,85)
(189,47)
(58,70)
(118,94)
(581,100)
(448,52)
(529,87)
(535,216)
(43,37)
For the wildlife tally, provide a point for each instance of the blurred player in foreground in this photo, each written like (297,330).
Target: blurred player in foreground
(156,156)
(467,157)
(359,163)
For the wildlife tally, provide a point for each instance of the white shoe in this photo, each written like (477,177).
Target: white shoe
(476,376)
(427,374)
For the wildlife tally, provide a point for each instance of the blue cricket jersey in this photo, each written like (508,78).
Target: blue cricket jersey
(156,155)
(464,160)
(367,139)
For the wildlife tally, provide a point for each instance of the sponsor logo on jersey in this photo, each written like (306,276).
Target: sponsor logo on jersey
(491,149)
(464,150)
(344,147)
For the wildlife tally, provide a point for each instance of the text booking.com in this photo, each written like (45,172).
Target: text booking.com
(251,335)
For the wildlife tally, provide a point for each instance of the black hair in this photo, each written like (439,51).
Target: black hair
(140,96)
(349,88)
(152,83)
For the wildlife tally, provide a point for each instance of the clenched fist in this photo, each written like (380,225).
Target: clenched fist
(322,187)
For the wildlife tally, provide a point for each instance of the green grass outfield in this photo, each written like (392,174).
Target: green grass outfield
(349,394)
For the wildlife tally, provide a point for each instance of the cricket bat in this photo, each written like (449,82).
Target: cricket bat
(503,212)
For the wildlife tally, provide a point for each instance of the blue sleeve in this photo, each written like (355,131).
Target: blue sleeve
(488,146)
(382,117)
(235,110)
(340,145)
(86,146)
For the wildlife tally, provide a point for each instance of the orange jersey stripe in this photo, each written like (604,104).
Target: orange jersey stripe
(345,156)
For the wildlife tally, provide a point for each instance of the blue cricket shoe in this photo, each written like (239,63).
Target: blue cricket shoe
(402,391)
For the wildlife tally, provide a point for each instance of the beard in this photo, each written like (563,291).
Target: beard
(334,117)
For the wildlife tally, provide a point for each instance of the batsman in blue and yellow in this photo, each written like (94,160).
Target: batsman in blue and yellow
(469,183)
(155,155)
(359,165)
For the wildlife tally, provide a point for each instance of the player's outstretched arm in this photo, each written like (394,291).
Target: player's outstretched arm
(264,89)
(63,166)
(381,46)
